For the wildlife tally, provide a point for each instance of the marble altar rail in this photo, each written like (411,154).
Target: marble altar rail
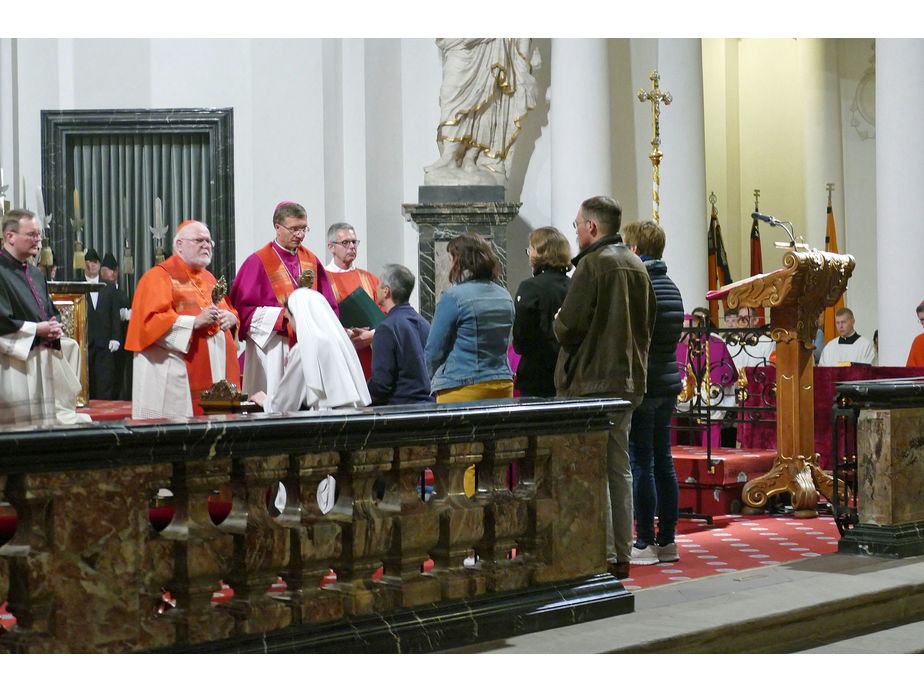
(86,570)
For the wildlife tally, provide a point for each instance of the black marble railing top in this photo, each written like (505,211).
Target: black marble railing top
(126,443)
(893,393)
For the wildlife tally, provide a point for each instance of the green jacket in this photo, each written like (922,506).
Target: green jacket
(605,324)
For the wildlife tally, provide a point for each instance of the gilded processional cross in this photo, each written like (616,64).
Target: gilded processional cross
(657,97)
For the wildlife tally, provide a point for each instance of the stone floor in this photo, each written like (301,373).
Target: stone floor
(812,605)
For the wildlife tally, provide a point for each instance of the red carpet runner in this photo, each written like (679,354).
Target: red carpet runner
(738,542)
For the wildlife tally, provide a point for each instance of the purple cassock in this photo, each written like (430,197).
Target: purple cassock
(722,369)
(252,289)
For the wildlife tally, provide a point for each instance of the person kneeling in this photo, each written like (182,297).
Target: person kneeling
(322,370)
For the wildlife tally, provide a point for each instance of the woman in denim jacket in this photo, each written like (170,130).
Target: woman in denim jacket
(467,348)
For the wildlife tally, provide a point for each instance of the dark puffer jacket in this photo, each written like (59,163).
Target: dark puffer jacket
(663,371)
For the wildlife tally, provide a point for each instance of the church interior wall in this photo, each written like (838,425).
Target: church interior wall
(720,117)
(777,120)
(683,191)
(857,227)
(346,126)
(771,139)
(633,138)
(341,113)
(530,180)
(420,112)
(899,98)
(383,186)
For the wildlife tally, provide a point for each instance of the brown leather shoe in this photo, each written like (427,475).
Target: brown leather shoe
(619,570)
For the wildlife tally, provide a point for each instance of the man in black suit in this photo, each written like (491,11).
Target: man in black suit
(103,331)
(122,388)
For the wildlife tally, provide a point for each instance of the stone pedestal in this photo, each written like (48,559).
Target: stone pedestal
(890,468)
(446,211)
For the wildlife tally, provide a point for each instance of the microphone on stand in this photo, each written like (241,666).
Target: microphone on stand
(773,221)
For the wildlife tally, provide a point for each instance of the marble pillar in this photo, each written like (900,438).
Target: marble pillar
(899,179)
(683,169)
(579,117)
(446,211)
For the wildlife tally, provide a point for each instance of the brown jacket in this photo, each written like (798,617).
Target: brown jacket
(605,324)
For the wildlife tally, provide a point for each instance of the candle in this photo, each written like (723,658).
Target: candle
(40,207)
(76,205)
(158,215)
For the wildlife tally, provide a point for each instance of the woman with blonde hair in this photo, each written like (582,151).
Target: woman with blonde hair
(538,299)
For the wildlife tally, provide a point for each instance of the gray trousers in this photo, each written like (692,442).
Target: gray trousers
(619,518)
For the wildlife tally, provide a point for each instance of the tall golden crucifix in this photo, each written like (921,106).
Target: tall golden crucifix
(657,97)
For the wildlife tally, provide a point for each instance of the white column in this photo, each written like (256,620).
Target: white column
(684,209)
(899,202)
(579,127)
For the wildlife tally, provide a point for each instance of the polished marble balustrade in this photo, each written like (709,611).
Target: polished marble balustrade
(125,532)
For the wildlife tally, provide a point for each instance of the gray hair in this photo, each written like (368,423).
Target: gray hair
(334,228)
(400,280)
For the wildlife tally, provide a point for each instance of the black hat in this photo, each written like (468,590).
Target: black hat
(91,256)
(109,262)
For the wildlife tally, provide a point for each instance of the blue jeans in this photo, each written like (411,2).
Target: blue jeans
(654,483)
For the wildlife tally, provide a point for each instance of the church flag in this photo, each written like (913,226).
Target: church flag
(831,247)
(719,274)
(757,262)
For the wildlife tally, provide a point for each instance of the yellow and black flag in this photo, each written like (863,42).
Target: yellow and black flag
(757,261)
(831,247)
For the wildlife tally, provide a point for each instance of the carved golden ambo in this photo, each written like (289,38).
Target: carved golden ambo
(808,282)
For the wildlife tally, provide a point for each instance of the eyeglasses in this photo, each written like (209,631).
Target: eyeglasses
(298,229)
(31,236)
(528,249)
(201,241)
(345,244)
(575,224)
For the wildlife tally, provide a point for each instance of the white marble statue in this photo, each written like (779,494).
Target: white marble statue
(487,89)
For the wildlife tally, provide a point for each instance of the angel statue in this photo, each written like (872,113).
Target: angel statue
(488,87)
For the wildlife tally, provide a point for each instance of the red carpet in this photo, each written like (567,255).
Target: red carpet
(738,542)
(107,410)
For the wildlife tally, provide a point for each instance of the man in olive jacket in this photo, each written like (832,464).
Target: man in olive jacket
(604,328)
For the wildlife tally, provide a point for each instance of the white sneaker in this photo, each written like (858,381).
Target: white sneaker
(668,553)
(646,556)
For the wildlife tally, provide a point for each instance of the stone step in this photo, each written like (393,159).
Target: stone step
(792,607)
(906,639)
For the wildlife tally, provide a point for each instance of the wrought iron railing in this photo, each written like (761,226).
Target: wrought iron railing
(729,380)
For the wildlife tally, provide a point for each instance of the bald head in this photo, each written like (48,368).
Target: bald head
(193,243)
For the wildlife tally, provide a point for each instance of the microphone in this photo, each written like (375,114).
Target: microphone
(773,221)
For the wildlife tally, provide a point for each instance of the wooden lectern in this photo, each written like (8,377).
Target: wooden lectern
(808,282)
